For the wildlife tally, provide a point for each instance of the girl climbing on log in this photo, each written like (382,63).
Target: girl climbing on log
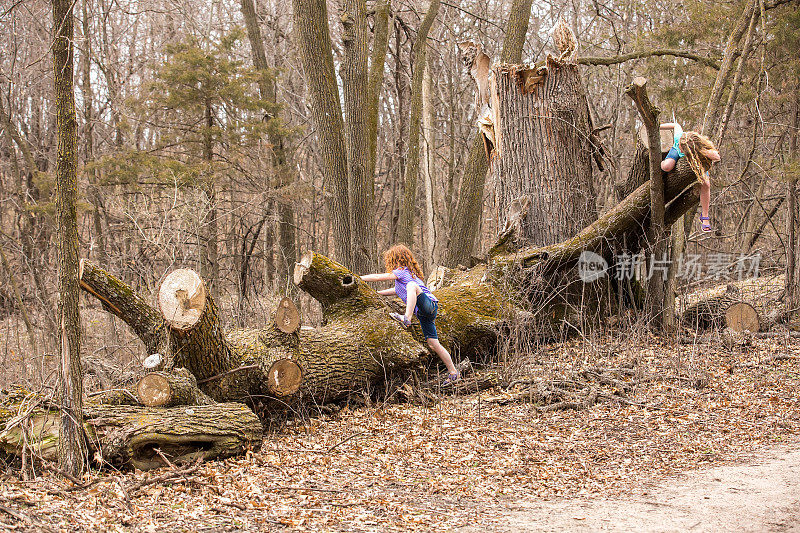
(701,154)
(403,269)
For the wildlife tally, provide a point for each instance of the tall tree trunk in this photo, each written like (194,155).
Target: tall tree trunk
(360,183)
(542,150)
(380,44)
(792,264)
(316,56)
(405,227)
(711,116)
(281,158)
(88,134)
(402,87)
(465,222)
(428,166)
(656,230)
(737,80)
(72,450)
(678,247)
(209,264)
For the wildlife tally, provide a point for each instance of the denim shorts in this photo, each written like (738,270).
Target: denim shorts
(673,154)
(426,313)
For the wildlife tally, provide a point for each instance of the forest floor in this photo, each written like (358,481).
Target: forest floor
(472,461)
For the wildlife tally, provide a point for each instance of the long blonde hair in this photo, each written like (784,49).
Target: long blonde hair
(399,256)
(692,144)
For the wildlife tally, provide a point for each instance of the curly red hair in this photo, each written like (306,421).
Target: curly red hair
(399,256)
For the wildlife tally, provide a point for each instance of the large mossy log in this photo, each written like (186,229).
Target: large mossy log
(358,341)
(132,436)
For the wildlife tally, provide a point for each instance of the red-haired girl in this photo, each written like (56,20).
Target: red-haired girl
(403,269)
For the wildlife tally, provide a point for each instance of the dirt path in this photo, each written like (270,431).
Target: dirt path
(760,495)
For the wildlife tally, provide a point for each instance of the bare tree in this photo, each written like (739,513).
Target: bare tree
(405,226)
(315,49)
(281,156)
(72,451)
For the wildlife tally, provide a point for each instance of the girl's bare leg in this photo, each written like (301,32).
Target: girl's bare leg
(705,196)
(443,354)
(668,164)
(412,290)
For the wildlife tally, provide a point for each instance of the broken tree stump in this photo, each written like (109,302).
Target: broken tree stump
(542,148)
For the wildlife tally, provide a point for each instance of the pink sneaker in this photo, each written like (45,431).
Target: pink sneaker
(401,318)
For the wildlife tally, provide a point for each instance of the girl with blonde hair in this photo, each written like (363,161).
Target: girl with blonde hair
(701,153)
(403,269)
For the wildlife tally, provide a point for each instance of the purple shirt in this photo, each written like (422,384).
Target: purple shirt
(404,277)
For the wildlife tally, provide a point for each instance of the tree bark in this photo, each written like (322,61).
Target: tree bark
(380,44)
(408,206)
(72,449)
(315,49)
(542,149)
(209,263)
(792,264)
(168,389)
(360,183)
(465,221)
(431,227)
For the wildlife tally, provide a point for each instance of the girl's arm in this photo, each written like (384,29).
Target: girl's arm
(667,126)
(385,276)
(387,292)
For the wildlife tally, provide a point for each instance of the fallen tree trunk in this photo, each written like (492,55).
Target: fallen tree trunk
(132,436)
(726,310)
(359,343)
(628,220)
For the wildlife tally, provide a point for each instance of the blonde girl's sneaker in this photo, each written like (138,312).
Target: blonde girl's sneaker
(704,223)
(451,379)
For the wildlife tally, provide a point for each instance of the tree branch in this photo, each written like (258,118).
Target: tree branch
(613,60)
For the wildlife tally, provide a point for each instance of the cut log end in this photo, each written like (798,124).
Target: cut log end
(154,390)
(287,317)
(182,298)
(284,377)
(167,389)
(742,316)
